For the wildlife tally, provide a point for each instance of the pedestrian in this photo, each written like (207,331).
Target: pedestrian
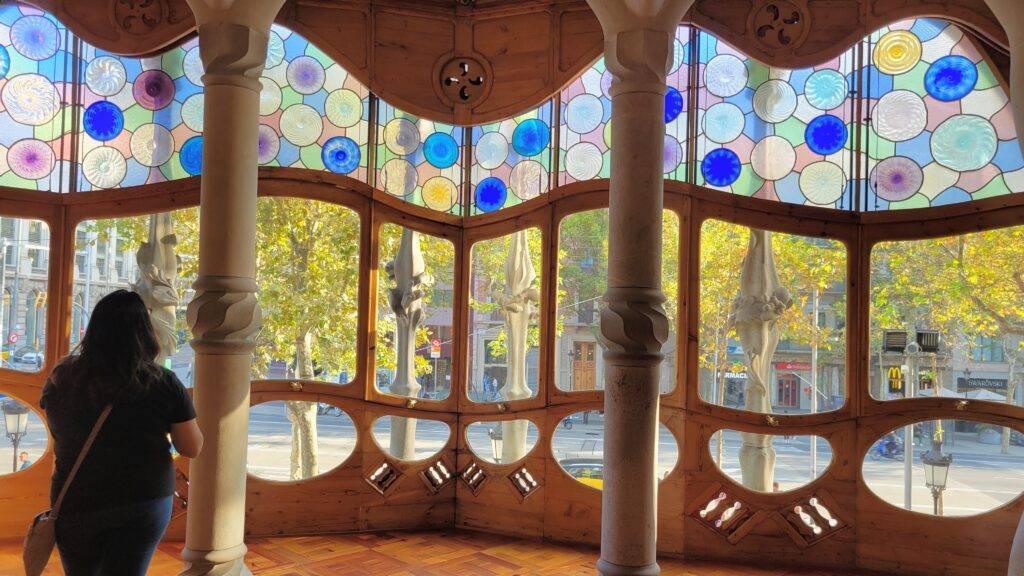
(111,516)
(25,461)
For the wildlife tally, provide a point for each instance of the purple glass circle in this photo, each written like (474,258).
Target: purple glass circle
(897,178)
(306,75)
(31,159)
(269,144)
(153,89)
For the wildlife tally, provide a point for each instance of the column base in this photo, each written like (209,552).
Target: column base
(230,562)
(606,568)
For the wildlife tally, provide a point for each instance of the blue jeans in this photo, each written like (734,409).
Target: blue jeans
(112,542)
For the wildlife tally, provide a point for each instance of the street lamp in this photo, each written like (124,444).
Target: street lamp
(496,441)
(16,424)
(936,470)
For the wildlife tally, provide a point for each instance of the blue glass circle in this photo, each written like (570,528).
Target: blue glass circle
(191,155)
(531,137)
(103,120)
(491,194)
(440,150)
(720,167)
(950,78)
(5,62)
(673,104)
(340,154)
(825,135)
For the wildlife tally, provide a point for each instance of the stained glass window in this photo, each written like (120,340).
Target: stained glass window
(419,160)
(773,133)
(585,120)
(35,118)
(141,118)
(313,113)
(925,121)
(941,129)
(511,160)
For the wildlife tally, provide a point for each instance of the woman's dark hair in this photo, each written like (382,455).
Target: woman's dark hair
(115,359)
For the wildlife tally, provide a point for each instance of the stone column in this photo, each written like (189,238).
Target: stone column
(408,272)
(1011,16)
(225,315)
(518,304)
(756,310)
(158,270)
(634,327)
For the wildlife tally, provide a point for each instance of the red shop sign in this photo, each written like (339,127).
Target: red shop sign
(793,365)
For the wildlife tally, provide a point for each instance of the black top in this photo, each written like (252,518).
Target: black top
(130,461)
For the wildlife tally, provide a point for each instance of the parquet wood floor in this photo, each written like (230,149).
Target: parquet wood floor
(438,553)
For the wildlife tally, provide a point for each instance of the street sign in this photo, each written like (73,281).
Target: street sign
(895,377)
(12,338)
(435,348)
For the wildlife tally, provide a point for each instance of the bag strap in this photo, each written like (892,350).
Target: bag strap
(81,457)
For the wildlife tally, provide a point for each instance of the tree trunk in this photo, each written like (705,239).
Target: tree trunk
(302,415)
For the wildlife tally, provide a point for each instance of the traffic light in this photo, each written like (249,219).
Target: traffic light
(40,299)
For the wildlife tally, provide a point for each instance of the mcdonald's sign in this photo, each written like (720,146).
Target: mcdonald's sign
(895,377)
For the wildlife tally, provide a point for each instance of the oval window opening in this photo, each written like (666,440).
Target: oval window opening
(26,437)
(502,442)
(957,467)
(410,439)
(298,440)
(798,460)
(578,445)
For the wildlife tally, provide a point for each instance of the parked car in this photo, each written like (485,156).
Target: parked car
(589,471)
(31,358)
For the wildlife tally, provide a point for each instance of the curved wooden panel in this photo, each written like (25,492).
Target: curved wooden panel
(128,27)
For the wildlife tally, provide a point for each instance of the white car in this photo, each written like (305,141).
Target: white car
(32,358)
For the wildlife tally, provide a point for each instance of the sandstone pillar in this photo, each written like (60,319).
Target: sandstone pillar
(638,52)
(225,315)
(408,272)
(518,304)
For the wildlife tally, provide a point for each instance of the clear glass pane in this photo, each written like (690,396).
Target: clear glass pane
(24,438)
(293,440)
(956,467)
(504,317)
(775,464)
(107,256)
(24,281)
(307,265)
(946,313)
(804,309)
(582,281)
(578,445)
(502,442)
(410,438)
(414,313)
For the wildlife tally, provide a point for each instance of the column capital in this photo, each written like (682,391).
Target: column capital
(233,37)
(638,41)
(634,326)
(224,315)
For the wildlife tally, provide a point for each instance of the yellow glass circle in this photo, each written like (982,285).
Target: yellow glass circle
(439,193)
(897,51)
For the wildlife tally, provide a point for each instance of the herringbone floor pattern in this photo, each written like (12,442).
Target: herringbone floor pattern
(443,553)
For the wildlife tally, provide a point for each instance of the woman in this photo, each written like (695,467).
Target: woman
(119,503)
